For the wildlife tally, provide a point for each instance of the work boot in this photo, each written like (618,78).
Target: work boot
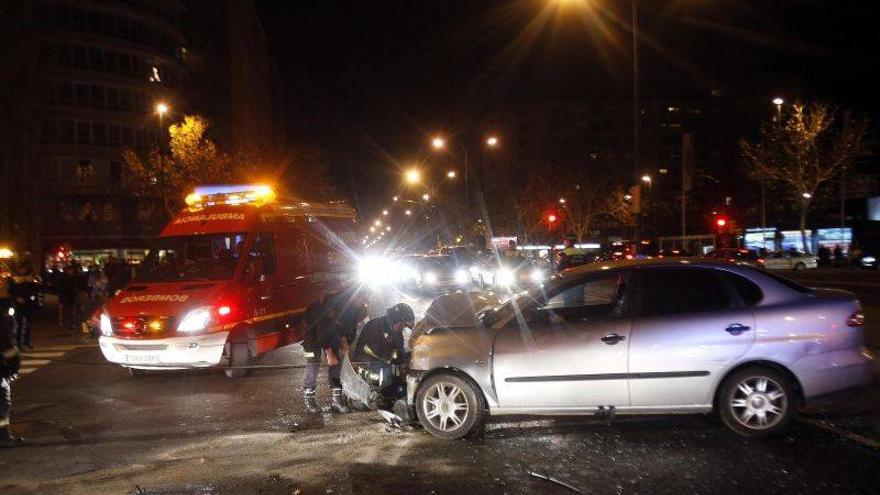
(311,402)
(337,401)
(8,440)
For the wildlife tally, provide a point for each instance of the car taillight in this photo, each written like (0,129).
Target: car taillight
(761,260)
(224,310)
(856,319)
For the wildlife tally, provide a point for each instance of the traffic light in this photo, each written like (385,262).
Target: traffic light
(552,220)
(722,224)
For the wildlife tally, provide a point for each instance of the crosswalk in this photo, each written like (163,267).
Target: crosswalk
(33,360)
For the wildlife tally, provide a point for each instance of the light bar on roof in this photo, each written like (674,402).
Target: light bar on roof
(230,194)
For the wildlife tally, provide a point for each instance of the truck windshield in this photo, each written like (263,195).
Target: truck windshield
(192,257)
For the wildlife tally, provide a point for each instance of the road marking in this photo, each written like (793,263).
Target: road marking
(35,362)
(41,354)
(855,437)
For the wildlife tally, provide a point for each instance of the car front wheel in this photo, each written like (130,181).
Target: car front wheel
(757,402)
(450,407)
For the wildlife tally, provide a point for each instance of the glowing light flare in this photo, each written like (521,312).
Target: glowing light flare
(161,108)
(492,141)
(438,143)
(413,176)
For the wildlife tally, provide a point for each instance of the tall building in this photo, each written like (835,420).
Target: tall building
(79,82)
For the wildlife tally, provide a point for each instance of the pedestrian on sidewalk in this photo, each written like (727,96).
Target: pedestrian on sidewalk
(10,363)
(67,298)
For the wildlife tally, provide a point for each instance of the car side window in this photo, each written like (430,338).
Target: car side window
(261,259)
(671,291)
(749,292)
(600,296)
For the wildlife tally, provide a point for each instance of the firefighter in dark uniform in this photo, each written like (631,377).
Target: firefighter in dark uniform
(331,324)
(10,362)
(382,347)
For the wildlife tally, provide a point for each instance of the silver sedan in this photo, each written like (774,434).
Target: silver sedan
(642,337)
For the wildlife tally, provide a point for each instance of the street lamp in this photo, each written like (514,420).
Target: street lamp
(426,196)
(807,195)
(408,212)
(492,141)
(385,212)
(413,176)
(378,223)
(388,228)
(396,198)
(562,201)
(778,101)
(438,143)
(451,174)
(646,179)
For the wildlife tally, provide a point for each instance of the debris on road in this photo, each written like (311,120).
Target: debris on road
(554,480)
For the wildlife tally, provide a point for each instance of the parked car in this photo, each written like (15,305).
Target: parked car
(790,260)
(740,256)
(643,336)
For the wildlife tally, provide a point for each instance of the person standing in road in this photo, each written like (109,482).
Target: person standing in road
(67,298)
(24,295)
(10,362)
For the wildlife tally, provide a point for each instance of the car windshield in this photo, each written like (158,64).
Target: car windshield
(441,264)
(192,257)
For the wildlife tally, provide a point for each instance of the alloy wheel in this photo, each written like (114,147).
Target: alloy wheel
(758,403)
(445,406)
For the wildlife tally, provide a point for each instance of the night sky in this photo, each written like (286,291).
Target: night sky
(371,80)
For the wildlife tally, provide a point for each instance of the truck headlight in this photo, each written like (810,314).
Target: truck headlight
(461,276)
(195,321)
(105,325)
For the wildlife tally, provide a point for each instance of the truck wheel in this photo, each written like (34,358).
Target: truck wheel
(237,354)
(134,372)
(450,407)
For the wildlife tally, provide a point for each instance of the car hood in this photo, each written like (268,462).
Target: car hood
(456,310)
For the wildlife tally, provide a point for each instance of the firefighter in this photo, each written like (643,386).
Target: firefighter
(330,323)
(383,347)
(24,294)
(10,362)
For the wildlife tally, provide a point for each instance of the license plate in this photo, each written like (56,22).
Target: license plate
(141,358)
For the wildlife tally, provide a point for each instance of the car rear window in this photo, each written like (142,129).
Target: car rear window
(791,284)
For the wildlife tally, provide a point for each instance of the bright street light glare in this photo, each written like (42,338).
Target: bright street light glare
(385,212)
(426,197)
(562,200)
(438,143)
(161,108)
(778,101)
(388,228)
(807,195)
(378,223)
(396,198)
(408,212)
(646,178)
(413,176)
(492,141)
(451,174)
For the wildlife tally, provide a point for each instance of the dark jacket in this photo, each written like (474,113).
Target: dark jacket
(378,342)
(10,361)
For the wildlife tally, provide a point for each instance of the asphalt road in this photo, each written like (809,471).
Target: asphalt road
(93,429)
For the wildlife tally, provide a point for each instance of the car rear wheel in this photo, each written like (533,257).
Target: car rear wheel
(757,402)
(237,355)
(800,266)
(450,407)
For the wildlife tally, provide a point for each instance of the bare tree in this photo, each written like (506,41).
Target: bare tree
(808,148)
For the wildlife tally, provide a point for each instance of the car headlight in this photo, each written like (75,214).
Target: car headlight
(869,260)
(537,275)
(195,321)
(431,278)
(461,276)
(11,311)
(105,325)
(374,271)
(504,277)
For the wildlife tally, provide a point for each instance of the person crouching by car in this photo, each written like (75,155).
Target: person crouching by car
(331,324)
(382,348)
(10,362)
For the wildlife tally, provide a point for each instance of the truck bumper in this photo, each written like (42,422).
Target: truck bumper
(196,351)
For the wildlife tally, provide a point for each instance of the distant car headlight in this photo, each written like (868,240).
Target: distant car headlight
(537,275)
(11,311)
(431,278)
(106,326)
(461,276)
(504,277)
(869,260)
(195,321)
(374,270)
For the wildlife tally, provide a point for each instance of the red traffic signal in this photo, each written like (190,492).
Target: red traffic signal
(721,222)
(551,218)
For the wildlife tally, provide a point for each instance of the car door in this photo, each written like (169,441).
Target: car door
(569,352)
(689,325)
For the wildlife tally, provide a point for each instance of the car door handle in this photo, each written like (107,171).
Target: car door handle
(612,338)
(737,328)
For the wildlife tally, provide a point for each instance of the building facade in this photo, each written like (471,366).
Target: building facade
(80,83)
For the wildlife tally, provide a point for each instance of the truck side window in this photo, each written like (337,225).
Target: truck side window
(261,259)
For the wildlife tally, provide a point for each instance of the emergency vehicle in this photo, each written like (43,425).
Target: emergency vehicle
(227,280)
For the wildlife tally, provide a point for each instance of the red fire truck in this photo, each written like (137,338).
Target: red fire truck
(228,279)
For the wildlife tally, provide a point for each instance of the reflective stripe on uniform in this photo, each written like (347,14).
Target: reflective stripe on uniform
(4,422)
